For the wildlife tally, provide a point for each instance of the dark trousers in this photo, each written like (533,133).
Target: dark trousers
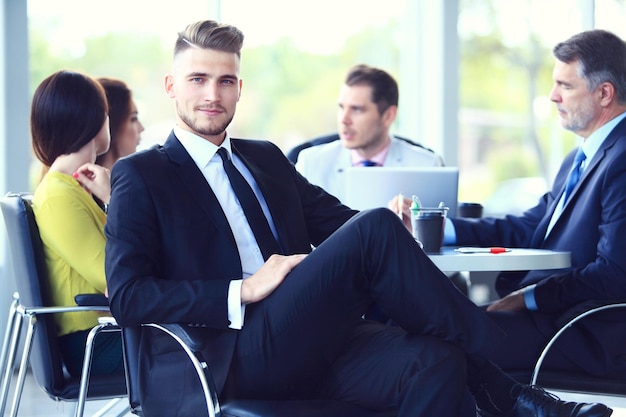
(107,354)
(307,339)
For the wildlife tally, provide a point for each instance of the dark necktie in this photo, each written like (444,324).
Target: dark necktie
(368,163)
(251,207)
(574,175)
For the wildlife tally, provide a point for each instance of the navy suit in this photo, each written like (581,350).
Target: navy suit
(592,226)
(171,255)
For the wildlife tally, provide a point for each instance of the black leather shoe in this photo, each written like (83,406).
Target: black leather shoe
(534,401)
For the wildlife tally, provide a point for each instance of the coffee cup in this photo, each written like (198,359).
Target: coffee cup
(428,226)
(470,210)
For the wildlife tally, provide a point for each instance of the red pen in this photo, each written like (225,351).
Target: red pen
(495,249)
(498,250)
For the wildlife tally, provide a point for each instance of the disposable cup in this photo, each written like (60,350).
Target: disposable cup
(428,225)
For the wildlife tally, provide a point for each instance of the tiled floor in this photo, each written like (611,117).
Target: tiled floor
(35,403)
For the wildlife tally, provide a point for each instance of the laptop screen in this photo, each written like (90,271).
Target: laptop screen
(374,187)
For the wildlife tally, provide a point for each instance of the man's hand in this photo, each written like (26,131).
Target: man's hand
(512,302)
(405,207)
(264,281)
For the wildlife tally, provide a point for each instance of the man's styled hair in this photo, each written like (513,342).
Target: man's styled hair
(384,87)
(602,57)
(209,34)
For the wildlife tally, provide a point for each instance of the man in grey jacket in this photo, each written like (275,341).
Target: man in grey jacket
(367,107)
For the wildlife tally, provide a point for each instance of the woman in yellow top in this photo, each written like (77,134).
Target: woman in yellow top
(69,128)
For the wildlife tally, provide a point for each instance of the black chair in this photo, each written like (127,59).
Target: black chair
(41,349)
(292,155)
(191,341)
(575,382)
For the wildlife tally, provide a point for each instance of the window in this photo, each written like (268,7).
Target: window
(296,55)
(508,128)
(294,60)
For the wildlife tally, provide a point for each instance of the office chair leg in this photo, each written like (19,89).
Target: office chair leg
(21,377)
(7,333)
(84,377)
(9,350)
(86,371)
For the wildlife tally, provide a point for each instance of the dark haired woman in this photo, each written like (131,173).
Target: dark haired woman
(69,128)
(123,122)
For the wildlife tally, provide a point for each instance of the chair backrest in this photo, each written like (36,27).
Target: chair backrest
(292,155)
(32,285)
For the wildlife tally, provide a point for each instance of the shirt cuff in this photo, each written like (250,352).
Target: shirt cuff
(236,310)
(449,233)
(529,297)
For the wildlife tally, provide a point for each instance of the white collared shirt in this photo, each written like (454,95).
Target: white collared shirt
(204,154)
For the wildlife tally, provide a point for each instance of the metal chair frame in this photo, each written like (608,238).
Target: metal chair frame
(589,387)
(19,315)
(192,346)
(27,253)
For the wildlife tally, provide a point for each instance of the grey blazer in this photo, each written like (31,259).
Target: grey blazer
(324,165)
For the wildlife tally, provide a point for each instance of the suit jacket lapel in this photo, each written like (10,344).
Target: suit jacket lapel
(272,190)
(394,157)
(195,183)
(593,164)
(336,174)
(540,233)
(589,171)
(343,161)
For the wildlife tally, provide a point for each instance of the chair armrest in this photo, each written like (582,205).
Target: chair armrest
(574,314)
(190,336)
(91,300)
(191,342)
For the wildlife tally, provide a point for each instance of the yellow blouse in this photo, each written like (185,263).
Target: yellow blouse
(72,231)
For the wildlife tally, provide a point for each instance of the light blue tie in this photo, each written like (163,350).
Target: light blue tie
(574,175)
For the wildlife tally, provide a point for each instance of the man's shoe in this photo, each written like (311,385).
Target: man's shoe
(534,401)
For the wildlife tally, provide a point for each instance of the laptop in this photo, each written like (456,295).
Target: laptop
(370,187)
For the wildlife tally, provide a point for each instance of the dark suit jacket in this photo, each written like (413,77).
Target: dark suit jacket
(170,252)
(592,227)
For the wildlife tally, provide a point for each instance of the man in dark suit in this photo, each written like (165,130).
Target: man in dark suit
(281,322)
(590,222)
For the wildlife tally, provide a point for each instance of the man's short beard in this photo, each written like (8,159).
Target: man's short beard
(580,118)
(211,130)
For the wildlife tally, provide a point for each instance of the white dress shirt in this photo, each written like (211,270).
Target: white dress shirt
(204,154)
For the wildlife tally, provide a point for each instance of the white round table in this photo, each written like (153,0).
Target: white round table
(514,260)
